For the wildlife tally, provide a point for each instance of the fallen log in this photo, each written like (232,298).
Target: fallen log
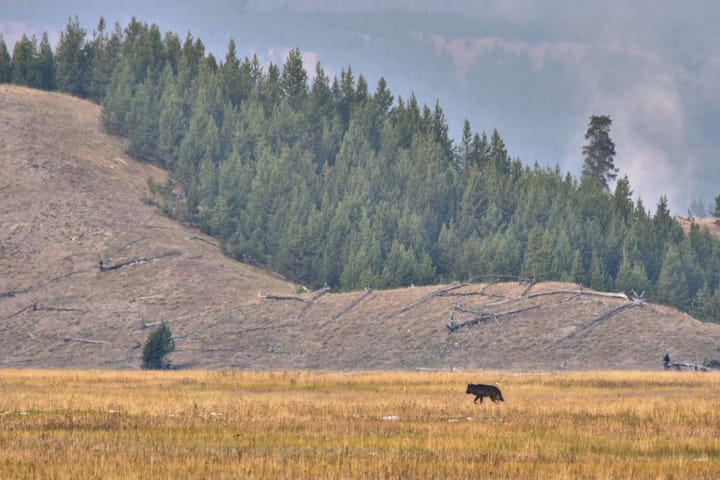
(283,297)
(585,328)
(315,295)
(484,316)
(86,340)
(689,366)
(135,261)
(37,308)
(352,305)
(320,292)
(269,327)
(430,296)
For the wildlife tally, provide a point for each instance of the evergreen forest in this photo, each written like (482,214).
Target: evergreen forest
(334,181)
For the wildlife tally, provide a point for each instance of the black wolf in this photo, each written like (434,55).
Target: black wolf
(480,391)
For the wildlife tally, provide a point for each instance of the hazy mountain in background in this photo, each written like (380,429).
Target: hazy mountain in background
(535,71)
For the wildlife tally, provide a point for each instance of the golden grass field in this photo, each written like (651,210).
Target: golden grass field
(298,424)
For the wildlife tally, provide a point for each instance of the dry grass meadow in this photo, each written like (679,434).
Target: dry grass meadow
(65,424)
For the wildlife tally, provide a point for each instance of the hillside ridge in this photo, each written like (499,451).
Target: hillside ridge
(89,266)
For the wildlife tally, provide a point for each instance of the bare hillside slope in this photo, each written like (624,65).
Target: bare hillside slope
(70,198)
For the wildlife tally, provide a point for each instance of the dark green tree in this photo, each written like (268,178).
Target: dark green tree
(293,82)
(45,65)
(599,152)
(104,54)
(142,121)
(71,57)
(672,285)
(24,62)
(118,100)
(702,307)
(159,345)
(232,79)
(5,62)
(716,211)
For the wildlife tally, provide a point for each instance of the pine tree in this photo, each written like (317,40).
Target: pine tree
(599,152)
(118,100)
(159,345)
(716,211)
(672,285)
(293,82)
(231,76)
(104,55)
(45,65)
(24,62)
(71,57)
(701,307)
(142,121)
(5,62)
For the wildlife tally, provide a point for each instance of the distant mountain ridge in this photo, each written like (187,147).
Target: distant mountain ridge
(70,198)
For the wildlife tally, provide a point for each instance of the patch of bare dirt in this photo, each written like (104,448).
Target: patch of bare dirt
(70,198)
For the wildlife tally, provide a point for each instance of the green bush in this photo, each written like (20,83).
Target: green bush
(160,343)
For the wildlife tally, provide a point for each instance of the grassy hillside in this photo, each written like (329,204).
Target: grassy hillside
(70,198)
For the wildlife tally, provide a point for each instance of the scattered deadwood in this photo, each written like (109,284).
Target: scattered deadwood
(352,305)
(430,296)
(86,340)
(485,316)
(104,267)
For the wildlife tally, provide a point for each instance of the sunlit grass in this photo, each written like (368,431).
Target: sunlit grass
(196,424)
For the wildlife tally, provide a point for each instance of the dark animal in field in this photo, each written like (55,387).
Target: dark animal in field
(481,391)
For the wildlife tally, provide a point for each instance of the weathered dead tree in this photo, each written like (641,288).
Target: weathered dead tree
(86,340)
(19,312)
(485,316)
(144,325)
(37,308)
(209,242)
(315,295)
(104,267)
(499,277)
(268,327)
(147,297)
(469,294)
(282,297)
(530,284)
(352,305)
(430,296)
(12,293)
(587,327)
(320,292)
(688,366)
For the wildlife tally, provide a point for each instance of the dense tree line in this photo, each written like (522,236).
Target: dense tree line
(330,181)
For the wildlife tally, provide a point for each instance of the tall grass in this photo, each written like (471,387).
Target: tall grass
(195,424)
